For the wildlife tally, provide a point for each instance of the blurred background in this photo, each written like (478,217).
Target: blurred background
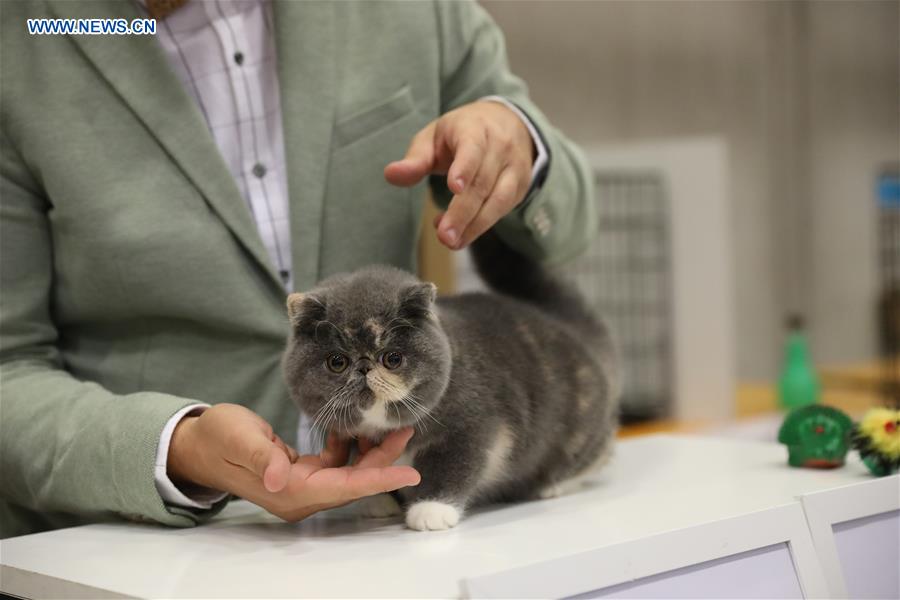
(745,158)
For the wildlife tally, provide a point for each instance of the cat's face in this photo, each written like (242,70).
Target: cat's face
(367,354)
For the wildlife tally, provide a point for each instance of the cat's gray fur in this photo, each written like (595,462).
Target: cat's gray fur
(529,364)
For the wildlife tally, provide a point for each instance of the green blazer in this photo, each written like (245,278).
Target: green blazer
(133,278)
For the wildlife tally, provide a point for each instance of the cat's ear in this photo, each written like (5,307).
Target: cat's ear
(304,309)
(417,300)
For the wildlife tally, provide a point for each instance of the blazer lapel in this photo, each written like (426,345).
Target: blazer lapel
(306,59)
(136,68)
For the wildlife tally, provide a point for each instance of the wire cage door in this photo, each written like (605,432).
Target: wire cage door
(626,275)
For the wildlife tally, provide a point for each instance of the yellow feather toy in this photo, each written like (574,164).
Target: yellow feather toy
(877,437)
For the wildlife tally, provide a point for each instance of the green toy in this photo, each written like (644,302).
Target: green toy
(817,437)
(798,385)
(877,437)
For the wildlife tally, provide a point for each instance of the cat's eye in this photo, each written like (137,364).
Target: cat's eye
(337,363)
(391,360)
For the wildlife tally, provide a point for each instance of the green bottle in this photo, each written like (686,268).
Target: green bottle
(798,385)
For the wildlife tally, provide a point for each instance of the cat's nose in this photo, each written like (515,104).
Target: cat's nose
(363,366)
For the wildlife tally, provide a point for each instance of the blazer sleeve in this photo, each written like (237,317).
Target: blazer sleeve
(66,446)
(556,221)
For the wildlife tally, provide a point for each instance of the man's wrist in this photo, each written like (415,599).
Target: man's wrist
(181,446)
(178,474)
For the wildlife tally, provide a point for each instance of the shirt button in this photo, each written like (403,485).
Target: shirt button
(259,170)
(239,58)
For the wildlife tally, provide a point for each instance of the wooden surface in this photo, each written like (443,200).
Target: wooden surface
(853,389)
(872,376)
(436,262)
(756,399)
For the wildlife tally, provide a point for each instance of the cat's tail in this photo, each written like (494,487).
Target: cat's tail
(508,272)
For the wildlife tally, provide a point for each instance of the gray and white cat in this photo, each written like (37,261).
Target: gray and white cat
(511,393)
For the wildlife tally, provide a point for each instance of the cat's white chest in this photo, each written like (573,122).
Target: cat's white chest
(374,420)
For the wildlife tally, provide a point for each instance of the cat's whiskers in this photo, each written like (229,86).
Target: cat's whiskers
(319,416)
(381,385)
(344,416)
(345,413)
(414,404)
(318,431)
(415,413)
(332,412)
(416,401)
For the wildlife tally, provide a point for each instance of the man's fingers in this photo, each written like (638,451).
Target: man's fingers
(504,197)
(290,452)
(309,486)
(388,451)
(364,445)
(367,482)
(417,163)
(468,154)
(257,451)
(467,203)
(460,213)
(275,476)
(310,462)
(330,486)
(272,465)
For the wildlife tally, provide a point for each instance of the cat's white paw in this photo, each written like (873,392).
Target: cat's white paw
(430,515)
(378,506)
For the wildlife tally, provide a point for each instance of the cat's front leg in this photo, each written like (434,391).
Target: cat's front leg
(433,515)
(449,478)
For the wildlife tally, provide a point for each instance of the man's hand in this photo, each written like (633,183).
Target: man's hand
(232,449)
(487,154)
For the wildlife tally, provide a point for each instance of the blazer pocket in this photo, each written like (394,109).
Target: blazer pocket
(373,119)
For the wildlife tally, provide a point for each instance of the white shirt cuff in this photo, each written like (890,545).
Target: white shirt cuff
(202,498)
(542,157)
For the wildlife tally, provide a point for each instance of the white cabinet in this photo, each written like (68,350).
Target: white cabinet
(764,573)
(671,516)
(869,551)
(763,554)
(856,531)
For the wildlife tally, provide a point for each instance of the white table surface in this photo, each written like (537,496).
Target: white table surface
(654,484)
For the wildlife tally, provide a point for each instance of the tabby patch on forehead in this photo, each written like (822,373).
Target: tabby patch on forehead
(376,329)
